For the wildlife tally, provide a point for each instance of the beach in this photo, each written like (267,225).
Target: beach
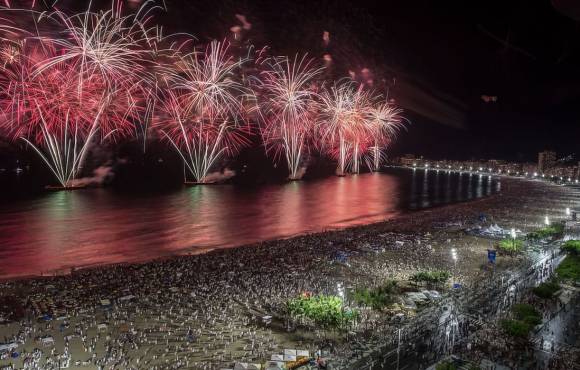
(207,311)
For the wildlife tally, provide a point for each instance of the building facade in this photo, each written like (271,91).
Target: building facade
(546,161)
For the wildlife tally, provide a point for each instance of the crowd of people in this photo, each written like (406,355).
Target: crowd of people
(208,311)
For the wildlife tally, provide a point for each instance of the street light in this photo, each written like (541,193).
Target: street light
(513,234)
(567,211)
(454,256)
(398,348)
(547,221)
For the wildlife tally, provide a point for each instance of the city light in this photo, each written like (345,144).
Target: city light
(547,221)
(567,211)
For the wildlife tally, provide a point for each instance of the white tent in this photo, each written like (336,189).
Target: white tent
(47,341)
(302,353)
(8,347)
(289,355)
(247,366)
(126,297)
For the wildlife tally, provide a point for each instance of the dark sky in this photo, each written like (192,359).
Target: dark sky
(438,57)
(444,56)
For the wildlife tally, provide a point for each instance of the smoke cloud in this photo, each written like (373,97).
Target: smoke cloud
(301,173)
(100,175)
(220,176)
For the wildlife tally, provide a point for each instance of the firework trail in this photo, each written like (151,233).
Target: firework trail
(288,109)
(43,110)
(385,121)
(100,42)
(343,124)
(60,92)
(205,108)
(119,48)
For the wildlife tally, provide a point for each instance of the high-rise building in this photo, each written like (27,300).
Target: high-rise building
(546,160)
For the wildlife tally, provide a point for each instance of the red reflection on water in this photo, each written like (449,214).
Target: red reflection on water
(97,226)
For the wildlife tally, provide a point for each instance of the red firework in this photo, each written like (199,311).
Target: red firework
(205,108)
(37,101)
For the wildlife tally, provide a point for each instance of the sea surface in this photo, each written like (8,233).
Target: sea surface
(57,231)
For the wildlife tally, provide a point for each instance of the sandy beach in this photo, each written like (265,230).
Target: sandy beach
(206,311)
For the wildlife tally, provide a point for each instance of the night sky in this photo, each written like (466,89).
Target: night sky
(444,56)
(441,61)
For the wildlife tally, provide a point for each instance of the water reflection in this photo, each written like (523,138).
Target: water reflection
(98,226)
(436,187)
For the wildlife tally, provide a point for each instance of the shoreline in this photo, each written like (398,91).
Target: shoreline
(195,251)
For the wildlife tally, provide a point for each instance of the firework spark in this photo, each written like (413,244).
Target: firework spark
(343,124)
(288,109)
(205,108)
(45,110)
(385,121)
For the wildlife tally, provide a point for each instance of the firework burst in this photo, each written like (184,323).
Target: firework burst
(343,124)
(205,108)
(385,122)
(45,110)
(288,109)
(60,90)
